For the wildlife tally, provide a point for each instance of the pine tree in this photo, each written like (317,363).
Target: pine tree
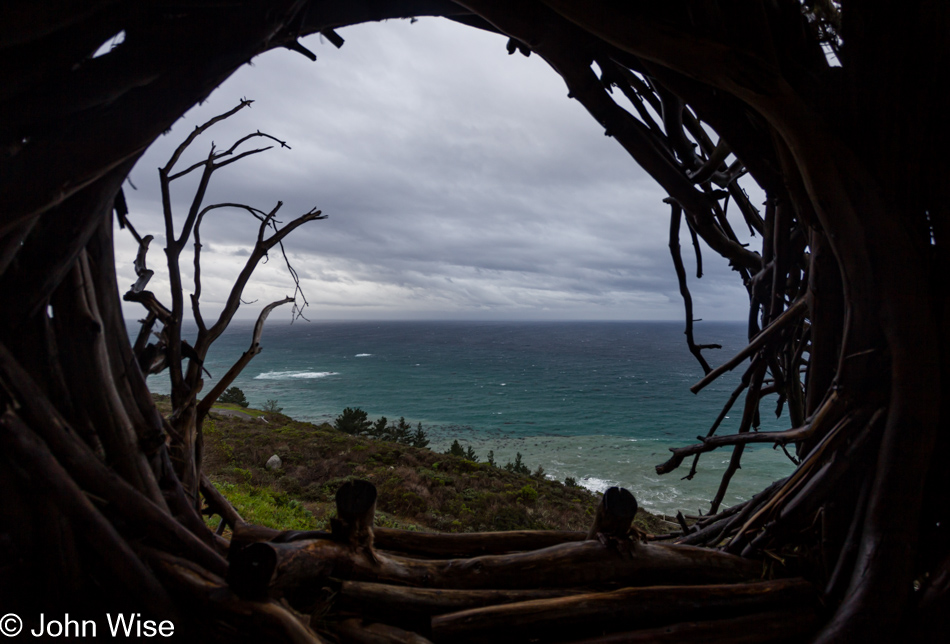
(378,430)
(419,438)
(352,421)
(400,432)
(234,396)
(517,467)
(456,449)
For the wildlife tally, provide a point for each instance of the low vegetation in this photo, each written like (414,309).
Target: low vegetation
(419,489)
(234,396)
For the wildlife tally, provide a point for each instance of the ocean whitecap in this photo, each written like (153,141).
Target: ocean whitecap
(363,355)
(294,375)
(595,484)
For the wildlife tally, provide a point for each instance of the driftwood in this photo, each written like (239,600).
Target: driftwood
(471,544)
(254,620)
(117,562)
(615,514)
(545,593)
(276,569)
(558,618)
(775,627)
(425,544)
(359,631)
(355,510)
(413,608)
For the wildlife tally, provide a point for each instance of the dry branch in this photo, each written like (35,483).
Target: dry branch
(118,563)
(214,604)
(713,532)
(709,444)
(560,618)
(775,627)
(219,388)
(402,605)
(359,631)
(790,315)
(93,476)
(695,349)
(428,544)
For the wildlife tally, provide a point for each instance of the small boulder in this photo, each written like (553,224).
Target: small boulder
(273,463)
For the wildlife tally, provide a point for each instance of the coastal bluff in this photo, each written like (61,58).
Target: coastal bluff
(419,489)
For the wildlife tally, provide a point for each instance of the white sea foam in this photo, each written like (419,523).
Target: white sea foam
(363,355)
(595,484)
(598,462)
(294,375)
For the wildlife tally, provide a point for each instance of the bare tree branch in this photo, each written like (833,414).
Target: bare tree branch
(212,396)
(790,315)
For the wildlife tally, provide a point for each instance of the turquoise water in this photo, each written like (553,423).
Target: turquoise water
(598,401)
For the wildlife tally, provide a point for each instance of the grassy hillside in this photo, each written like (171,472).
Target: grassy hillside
(418,489)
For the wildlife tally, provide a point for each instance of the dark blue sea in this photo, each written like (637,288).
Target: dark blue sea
(598,401)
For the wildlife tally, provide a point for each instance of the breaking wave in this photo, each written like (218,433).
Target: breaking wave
(295,375)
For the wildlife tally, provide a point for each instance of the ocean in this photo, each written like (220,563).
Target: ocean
(601,402)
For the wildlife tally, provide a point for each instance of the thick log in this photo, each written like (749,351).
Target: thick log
(464,545)
(93,475)
(413,607)
(614,514)
(114,561)
(773,627)
(288,568)
(620,609)
(431,545)
(359,631)
(355,509)
(214,603)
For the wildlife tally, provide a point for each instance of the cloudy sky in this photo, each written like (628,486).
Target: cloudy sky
(460,183)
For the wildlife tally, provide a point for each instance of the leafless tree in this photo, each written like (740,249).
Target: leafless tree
(171,349)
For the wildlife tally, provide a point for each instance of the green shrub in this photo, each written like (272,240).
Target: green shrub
(517,467)
(457,450)
(400,432)
(352,421)
(378,429)
(528,494)
(511,517)
(234,396)
(264,506)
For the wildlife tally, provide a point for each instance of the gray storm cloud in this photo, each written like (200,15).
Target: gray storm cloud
(459,183)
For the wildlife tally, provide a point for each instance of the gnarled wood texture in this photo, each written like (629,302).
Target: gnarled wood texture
(836,109)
